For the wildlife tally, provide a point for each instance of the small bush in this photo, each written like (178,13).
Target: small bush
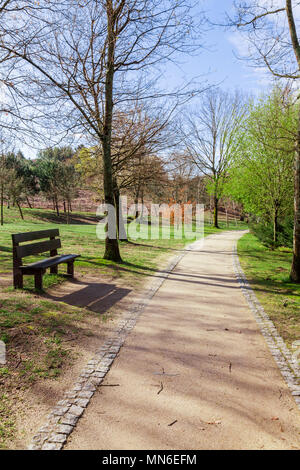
(285,236)
(265,233)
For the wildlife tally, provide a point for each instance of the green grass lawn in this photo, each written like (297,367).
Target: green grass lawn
(140,257)
(268,273)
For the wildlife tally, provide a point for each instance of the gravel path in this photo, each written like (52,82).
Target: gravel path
(195,372)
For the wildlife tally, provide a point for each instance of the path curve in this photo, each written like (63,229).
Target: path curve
(195,373)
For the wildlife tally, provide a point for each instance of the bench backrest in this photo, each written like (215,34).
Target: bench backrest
(21,251)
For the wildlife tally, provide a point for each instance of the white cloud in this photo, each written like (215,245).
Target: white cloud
(243,48)
(240,43)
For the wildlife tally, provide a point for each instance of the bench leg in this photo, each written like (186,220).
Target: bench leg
(54,270)
(18,280)
(38,280)
(70,268)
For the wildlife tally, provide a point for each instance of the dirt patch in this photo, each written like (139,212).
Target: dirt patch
(6,280)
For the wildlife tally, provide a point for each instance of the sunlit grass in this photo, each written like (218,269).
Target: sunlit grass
(268,273)
(140,256)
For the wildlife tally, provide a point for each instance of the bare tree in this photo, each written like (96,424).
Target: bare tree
(211,138)
(84,60)
(272,34)
(16,115)
(181,172)
(139,137)
(6,176)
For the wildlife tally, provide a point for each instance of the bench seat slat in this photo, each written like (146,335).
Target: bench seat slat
(47,263)
(39,267)
(37,248)
(30,236)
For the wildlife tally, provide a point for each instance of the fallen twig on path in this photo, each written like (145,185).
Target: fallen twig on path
(171,424)
(110,385)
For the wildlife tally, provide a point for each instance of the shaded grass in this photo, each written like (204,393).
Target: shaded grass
(34,331)
(37,333)
(268,273)
(37,216)
(7,425)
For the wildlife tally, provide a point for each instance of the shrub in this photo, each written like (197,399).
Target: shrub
(264,232)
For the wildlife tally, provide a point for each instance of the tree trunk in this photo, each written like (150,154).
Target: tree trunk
(56,206)
(234,210)
(28,202)
(142,202)
(293,31)
(68,213)
(112,251)
(275,227)
(20,210)
(2,203)
(122,235)
(295,270)
(136,203)
(216,201)
(136,200)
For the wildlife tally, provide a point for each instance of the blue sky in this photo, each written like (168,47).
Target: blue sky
(218,62)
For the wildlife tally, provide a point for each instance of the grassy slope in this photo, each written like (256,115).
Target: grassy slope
(268,274)
(38,331)
(140,257)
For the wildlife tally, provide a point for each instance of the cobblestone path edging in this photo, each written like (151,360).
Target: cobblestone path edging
(64,417)
(288,366)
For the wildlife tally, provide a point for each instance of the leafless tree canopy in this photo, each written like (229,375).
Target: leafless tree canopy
(271,33)
(77,61)
(211,136)
(60,52)
(211,131)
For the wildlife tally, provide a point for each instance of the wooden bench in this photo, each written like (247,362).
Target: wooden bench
(38,268)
